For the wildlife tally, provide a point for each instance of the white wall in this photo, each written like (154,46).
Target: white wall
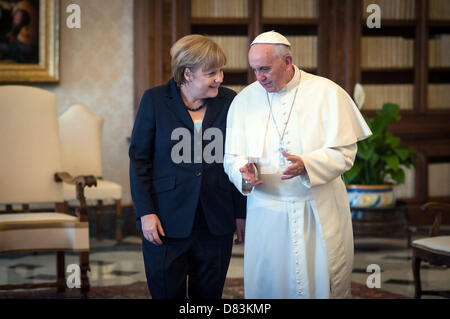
(97,71)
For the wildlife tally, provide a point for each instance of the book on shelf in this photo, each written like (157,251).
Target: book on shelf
(304,51)
(387,52)
(219,8)
(378,94)
(439,51)
(290,9)
(445,55)
(439,96)
(391,9)
(235,47)
(434,52)
(439,9)
(439,179)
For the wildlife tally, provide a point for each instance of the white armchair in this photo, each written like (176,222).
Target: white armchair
(81,133)
(31,172)
(434,249)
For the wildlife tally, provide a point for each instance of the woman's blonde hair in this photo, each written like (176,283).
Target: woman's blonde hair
(194,51)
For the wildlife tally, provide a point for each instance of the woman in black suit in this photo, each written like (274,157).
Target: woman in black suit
(185,205)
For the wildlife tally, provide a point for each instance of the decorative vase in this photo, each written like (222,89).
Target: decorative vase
(371,196)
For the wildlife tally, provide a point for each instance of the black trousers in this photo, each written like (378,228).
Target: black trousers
(193,267)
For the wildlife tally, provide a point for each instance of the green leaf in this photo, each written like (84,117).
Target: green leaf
(385,117)
(373,160)
(392,161)
(403,153)
(398,176)
(375,140)
(380,158)
(366,153)
(390,110)
(351,175)
(392,140)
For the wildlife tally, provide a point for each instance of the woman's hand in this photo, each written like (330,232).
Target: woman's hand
(152,229)
(240,231)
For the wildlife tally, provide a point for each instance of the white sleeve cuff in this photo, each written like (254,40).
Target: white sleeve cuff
(304,178)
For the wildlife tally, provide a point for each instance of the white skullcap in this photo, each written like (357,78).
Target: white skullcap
(271,37)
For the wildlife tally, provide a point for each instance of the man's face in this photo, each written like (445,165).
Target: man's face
(271,71)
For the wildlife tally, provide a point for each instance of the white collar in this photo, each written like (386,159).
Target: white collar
(292,84)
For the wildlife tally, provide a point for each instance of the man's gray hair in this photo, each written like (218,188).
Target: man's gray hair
(281,50)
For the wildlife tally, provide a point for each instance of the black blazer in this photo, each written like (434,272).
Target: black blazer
(172,191)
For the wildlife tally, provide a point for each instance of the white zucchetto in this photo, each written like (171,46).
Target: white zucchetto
(271,37)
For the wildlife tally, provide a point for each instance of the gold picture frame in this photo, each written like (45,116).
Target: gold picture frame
(47,69)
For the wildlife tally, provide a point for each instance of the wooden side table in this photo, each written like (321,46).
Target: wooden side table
(380,222)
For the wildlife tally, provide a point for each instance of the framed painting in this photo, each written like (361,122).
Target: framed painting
(29,41)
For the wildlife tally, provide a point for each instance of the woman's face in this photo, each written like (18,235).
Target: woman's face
(204,84)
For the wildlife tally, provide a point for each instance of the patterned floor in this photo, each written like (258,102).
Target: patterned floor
(115,265)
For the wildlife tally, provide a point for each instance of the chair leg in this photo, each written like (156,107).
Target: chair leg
(409,239)
(416,273)
(118,220)
(66,207)
(61,271)
(84,267)
(99,220)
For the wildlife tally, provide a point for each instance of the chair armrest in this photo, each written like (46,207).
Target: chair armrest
(85,180)
(80,183)
(436,209)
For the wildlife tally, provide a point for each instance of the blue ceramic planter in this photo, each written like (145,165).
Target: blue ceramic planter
(371,196)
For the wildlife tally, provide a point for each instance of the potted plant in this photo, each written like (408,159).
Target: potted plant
(378,163)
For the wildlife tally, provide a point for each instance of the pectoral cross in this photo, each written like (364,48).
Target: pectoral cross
(282,159)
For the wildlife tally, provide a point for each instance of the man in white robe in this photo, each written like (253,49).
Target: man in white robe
(290,136)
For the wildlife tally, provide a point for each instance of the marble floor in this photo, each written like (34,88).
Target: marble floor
(122,264)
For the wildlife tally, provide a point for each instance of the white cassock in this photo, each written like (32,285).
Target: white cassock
(299,239)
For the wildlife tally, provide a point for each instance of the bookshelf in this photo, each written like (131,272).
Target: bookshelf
(387,55)
(411,49)
(228,24)
(330,38)
(438,97)
(437,37)
(403,62)
(236,26)
(219,9)
(299,22)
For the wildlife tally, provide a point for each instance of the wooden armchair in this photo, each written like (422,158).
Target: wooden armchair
(30,172)
(434,250)
(81,133)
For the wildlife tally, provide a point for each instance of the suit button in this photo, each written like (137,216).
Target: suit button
(198,174)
